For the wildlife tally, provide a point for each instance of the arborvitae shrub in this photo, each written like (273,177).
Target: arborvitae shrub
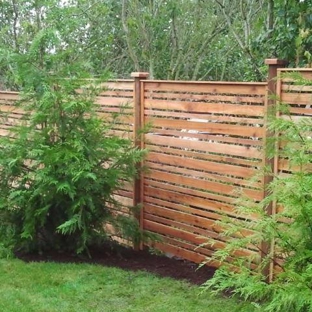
(60,166)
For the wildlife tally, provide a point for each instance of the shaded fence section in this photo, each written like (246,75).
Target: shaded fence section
(206,143)
(294,92)
(116,99)
(294,89)
(10,114)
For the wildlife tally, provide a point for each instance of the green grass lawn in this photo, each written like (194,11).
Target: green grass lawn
(83,287)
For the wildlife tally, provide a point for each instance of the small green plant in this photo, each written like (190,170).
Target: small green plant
(60,166)
(289,230)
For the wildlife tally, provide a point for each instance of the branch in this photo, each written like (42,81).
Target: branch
(126,30)
(15,20)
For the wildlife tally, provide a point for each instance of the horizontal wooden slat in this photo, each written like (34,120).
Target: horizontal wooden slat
(174,200)
(9,95)
(300,111)
(235,150)
(209,186)
(11,109)
(208,87)
(183,253)
(189,237)
(122,118)
(217,108)
(296,88)
(287,74)
(123,200)
(206,97)
(200,136)
(201,165)
(118,85)
(208,127)
(189,191)
(179,216)
(205,117)
(213,228)
(296,98)
(117,93)
(167,150)
(186,227)
(114,101)
(249,183)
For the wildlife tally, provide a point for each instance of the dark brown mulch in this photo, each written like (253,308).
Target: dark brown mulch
(130,259)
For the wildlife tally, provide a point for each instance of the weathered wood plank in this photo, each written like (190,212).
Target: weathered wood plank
(118,85)
(197,136)
(296,98)
(213,228)
(216,108)
(173,199)
(10,96)
(180,216)
(206,97)
(186,227)
(117,93)
(189,237)
(301,111)
(210,186)
(183,253)
(205,117)
(295,88)
(208,127)
(167,150)
(219,148)
(201,165)
(206,87)
(114,101)
(238,182)
(189,191)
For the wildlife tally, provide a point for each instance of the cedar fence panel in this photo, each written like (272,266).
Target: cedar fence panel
(298,98)
(10,115)
(206,142)
(117,98)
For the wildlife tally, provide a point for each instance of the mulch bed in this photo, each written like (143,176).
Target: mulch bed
(129,259)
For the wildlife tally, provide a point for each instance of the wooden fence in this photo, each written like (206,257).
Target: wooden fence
(206,141)
(294,89)
(10,114)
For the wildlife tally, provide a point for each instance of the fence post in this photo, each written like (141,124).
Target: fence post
(138,125)
(269,163)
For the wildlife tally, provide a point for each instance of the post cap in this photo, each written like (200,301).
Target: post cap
(139,75)
(275,61)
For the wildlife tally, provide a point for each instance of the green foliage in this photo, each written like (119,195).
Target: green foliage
(289,37)
(172,39)
(60,165)
(289,230)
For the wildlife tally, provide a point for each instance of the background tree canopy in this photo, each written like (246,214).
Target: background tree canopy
(172,39)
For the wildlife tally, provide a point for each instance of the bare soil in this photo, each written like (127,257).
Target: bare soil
(129,259)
